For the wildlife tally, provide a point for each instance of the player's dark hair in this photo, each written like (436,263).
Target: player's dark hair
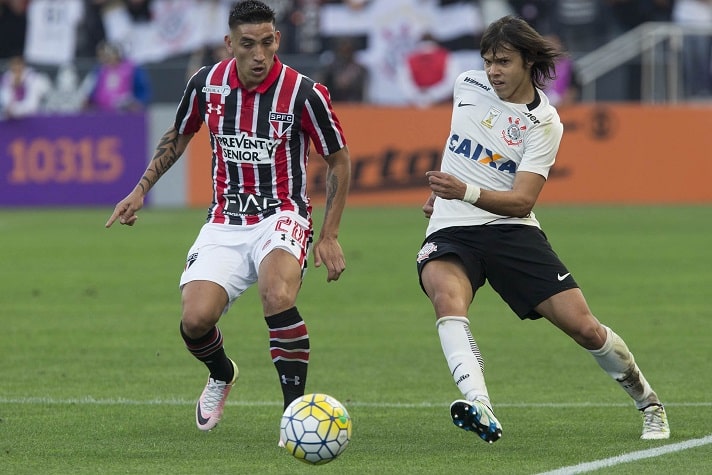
(514,34)
(250,11)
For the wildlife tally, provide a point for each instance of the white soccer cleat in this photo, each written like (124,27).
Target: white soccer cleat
(655,423)
(209,408)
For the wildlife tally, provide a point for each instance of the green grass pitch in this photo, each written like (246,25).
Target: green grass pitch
(94,377)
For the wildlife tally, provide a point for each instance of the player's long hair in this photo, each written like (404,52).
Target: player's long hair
(250,11)
(514,34)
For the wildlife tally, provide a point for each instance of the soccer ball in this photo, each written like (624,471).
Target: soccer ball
(315,428)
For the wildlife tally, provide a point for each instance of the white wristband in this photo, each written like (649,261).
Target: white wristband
(472,194)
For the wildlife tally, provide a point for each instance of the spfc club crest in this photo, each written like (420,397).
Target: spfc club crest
(280,122)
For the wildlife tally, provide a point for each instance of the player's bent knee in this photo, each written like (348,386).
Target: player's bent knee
(445,303)
(278,296)
(591,335)
(199,316)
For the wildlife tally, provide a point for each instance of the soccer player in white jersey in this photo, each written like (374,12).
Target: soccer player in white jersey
(262,116)
(503,141)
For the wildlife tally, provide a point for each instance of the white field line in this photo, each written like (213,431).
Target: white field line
(630,457)
(89,400)
(570,470)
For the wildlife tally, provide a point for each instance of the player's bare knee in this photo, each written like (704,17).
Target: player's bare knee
(193,328)
(447,303)
(196,322)
(591,335)
(276,300)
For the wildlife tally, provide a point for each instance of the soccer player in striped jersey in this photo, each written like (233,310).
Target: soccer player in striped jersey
(262,116)
(503,141)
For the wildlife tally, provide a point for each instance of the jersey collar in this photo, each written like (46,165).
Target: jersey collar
(535,103)
(264,85)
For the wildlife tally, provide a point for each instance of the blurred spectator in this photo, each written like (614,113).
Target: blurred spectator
(697,49)
(299,23)
(428,74)
(140,10)
(13,27)
(580,24)
(206,56)
(68,95)
(538,13)
(22,90)
(565,88)
(345,78)
(493,10)
(629,14)
(91,28)
(117,83)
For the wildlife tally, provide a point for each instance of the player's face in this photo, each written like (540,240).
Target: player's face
(253,45)
(509,75)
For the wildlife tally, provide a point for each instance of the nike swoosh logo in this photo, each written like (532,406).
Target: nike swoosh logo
(463,104)
(562,277)
(453,371)
(201,420)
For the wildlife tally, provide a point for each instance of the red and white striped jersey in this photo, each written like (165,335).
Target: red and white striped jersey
(260,139)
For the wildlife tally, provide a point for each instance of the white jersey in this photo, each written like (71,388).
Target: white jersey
(490,141)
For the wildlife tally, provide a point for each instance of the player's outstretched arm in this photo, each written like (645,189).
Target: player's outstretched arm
(168,151)
(518,201)
(327,249)
(125,210)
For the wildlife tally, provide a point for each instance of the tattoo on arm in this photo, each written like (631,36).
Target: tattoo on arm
(332,184)
(163,159)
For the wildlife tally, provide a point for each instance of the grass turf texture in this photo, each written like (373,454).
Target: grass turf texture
(95,378)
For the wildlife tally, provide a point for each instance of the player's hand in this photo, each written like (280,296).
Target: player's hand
(125,210)
(328,251)
(428,206)
(443,185)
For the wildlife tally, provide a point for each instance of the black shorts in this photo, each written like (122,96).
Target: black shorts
(517,260)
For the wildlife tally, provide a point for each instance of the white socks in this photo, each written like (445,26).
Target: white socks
(463,357)
(616,359)
(467,366)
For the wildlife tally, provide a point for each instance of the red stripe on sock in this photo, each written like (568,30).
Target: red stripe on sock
(297,355)
(288,333)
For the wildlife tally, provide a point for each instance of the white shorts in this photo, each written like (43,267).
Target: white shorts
(230,255)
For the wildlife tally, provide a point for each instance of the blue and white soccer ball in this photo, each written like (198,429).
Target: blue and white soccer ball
(315,428)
